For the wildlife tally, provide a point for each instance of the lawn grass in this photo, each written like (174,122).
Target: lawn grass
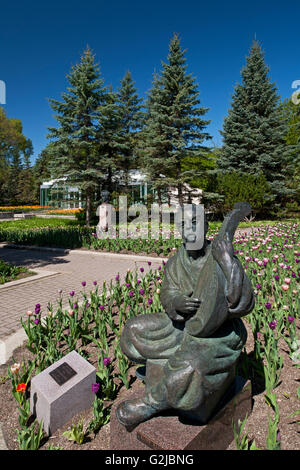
(37,222)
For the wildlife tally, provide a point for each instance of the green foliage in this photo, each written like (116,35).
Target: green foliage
(8,272)
(254,131)
(75,141)
(130,118)
(291,113)
(61,237)
(76,433)
(174,127)
(237,186)
(28,438)
(101,415)
(15,171)
(241,440)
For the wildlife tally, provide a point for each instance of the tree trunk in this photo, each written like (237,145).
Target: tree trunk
(159,204)
(180,195)
(88,208)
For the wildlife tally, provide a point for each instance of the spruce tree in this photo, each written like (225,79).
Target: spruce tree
(109,135)
(130,119)
(291,113)
(174,129)
(74,150)
(253,132)
(155,146)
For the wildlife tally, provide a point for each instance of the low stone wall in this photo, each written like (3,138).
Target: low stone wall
(6,215)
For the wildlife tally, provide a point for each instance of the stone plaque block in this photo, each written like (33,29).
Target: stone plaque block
(62,390)
(168,431)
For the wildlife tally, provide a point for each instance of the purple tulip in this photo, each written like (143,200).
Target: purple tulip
(258,286)
(117,277)
(127,284)
(75,306)
(37,310)
(72,293)
(106,361)
(149,263)
(101,307)
(254,271)
(291,319)
(276,277)
(95,283)
(83,283)
(36,321)
(130,293)
(141,291)
(268,305)
(272,324)
(150,301)
(142,270)
(95,388)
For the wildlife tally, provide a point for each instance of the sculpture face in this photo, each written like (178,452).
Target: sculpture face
(194,227)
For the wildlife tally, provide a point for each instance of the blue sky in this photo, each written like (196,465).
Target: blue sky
(40,41)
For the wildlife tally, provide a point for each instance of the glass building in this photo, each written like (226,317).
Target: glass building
(60,194)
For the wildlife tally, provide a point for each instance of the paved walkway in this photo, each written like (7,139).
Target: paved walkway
(67,269)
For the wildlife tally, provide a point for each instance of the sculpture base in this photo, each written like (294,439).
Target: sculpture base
(168,431)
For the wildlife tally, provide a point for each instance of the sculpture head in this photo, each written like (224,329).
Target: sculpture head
(104,196)
(193,225)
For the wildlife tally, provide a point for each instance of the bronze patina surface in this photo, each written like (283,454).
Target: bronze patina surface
(191,348)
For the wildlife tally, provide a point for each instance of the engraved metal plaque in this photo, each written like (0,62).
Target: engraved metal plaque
(62,373)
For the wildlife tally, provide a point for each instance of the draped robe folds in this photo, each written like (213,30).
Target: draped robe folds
(195,366)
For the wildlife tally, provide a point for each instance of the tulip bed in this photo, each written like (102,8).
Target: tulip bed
(93,323)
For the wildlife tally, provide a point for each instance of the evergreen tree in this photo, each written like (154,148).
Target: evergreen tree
(253,132)
(130,118)
(109,125)
(174,129)
(291,113)
(155,146)
(74,150)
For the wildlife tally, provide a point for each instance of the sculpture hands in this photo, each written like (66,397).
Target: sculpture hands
(186,305)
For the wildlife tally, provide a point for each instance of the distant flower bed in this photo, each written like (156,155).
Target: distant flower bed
(22,208)
(64,211)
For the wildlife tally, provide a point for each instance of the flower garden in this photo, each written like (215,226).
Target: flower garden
(93,323)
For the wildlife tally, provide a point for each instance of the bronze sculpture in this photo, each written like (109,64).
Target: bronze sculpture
(191,349)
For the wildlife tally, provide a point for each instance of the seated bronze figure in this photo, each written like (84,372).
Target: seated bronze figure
(191,348)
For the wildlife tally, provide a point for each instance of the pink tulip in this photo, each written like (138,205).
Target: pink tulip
(285,287)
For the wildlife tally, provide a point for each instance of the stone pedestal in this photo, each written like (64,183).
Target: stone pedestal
(62,390)
(170,432)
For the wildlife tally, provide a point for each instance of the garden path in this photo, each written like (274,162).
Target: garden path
(71,268)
